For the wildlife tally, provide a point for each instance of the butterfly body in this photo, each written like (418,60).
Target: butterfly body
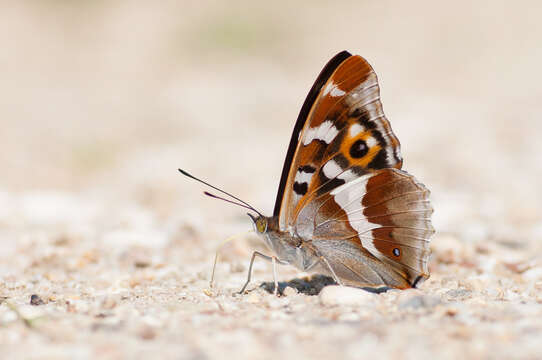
(287,246)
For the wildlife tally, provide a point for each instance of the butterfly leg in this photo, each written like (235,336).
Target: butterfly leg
(218,251)
(254,254)
(335,277)
(275,291)
(273,259)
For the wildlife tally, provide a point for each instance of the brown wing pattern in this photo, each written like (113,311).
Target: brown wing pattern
(345,136)
(387,212)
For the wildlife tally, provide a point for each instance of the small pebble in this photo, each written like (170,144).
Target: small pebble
(289,291)
(458,294)
(36,300)
(345,295)
(451,312)
(147,332)
(142,263)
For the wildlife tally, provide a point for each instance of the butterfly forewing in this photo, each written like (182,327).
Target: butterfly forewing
(344,136)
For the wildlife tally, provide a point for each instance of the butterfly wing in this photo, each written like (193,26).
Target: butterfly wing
(341,133)
(388,213)
(341,188)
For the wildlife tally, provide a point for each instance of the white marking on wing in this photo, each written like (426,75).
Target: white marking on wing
(348,175)
(332,90)
(331,169)
(303,177)
(336,92)
(371,141)
(349,197)
(355,129)
(330,135)
(361,181)
(323,129)
(309,136)
(392,154)
(325,132)
(327,89)
(364,90)
(397,153)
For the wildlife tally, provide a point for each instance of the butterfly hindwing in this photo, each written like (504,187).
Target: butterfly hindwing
(386,212)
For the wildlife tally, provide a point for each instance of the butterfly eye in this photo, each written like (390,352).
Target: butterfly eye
(358,149)
(396,252)
(261,225)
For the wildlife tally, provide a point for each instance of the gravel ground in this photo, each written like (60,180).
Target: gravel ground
(106,251)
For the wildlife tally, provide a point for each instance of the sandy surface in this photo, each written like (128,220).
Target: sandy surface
(100,103)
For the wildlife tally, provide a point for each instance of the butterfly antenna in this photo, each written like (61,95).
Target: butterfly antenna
(239,203)
(230,201)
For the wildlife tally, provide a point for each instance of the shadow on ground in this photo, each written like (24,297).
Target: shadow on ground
(308,285)
(312,285)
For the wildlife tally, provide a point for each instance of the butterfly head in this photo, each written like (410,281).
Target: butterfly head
(259,222)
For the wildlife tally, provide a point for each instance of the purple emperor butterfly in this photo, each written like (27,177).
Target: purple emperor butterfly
(344,208)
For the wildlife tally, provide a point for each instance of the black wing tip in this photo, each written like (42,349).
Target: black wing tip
(331,65)
(344,53)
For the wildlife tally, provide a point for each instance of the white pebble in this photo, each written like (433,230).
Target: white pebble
(289,291)
(344,295)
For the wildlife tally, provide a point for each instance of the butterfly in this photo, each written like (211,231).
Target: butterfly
(344,207)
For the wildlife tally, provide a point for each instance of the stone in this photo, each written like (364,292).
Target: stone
(333,295)
(289,291)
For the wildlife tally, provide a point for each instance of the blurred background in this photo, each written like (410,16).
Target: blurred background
(102,101)
(119,94)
